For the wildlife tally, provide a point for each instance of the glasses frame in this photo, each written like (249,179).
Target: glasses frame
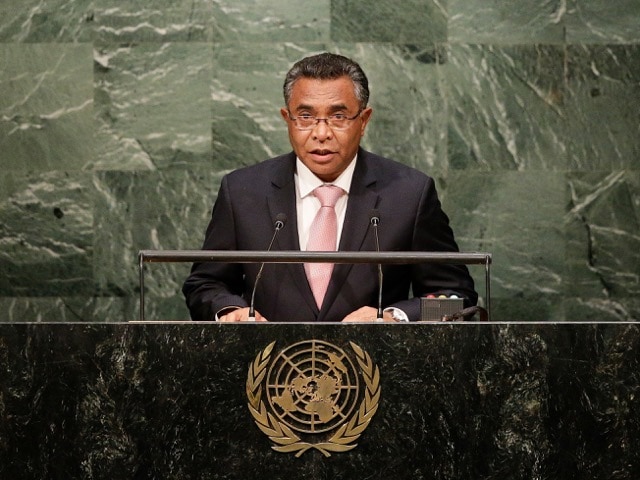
(326,120)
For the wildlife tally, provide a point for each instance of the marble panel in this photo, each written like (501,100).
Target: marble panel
(411,21)
(166,210)
(602,309)
(247,98)
(506,21)
(86,309)
(532,92)
(160,304)
(125,21)
(153,107)
(122,21)
(603,243)
(409,113)
(45,107)
(600,21)
(35,21)
(518,217)
(602,107)
(543,21)
(272,20)
(482,401)
(46,235)
(505,108)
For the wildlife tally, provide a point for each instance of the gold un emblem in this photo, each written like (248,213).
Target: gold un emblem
(310,396)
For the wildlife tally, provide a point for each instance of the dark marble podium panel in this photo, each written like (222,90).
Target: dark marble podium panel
(472,401)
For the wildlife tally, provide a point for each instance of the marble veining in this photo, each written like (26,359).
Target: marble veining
(118,119)
(485,401)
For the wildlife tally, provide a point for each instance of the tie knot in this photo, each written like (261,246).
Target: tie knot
(328,195)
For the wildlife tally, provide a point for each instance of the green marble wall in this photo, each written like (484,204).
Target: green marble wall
(119,118)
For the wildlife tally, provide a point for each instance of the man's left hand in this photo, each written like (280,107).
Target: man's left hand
(367,314)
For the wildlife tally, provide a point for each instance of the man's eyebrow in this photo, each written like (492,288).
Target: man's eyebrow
(338,107)
(333,108)
(304,107)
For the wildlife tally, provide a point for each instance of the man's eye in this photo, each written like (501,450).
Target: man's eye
(339,116)
(305,116)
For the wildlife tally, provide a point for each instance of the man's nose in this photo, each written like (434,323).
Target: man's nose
(322,131)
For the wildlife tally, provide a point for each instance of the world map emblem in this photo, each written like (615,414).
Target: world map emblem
(313,395)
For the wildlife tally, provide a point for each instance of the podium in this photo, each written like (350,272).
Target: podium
(456,400)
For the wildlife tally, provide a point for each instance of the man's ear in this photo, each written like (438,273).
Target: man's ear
(366,116)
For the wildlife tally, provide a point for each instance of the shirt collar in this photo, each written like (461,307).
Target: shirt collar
(308,182)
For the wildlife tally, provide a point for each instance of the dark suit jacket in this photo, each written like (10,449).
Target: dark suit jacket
(243,217)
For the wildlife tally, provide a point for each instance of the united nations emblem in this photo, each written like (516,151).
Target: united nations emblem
(311,395)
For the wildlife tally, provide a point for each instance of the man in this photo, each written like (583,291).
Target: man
(327,112)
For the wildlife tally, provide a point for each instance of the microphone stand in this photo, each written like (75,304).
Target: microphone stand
(375,221)
(281,218)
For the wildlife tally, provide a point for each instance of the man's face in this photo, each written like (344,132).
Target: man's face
(326,152)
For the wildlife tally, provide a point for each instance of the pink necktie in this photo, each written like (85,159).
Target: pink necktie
(322,237)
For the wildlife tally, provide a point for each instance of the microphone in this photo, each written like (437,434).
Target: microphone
(281,220)
(375,221)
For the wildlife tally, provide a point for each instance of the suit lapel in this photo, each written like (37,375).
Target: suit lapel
(283,200)
(363,198)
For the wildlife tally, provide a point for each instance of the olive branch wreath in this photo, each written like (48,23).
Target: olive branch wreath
(285,438)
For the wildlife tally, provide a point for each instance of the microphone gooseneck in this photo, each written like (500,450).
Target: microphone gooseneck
(281,220)
(375,221)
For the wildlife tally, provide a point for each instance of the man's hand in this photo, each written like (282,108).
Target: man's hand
(240,315)
(367,314)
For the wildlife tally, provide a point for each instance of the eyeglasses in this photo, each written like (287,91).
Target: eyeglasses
(337,121)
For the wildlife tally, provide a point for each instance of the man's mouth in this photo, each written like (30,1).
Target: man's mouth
(321,152)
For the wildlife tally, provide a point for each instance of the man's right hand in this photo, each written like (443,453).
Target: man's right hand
(240,315)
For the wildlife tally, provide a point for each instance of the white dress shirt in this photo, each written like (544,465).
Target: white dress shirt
(307,205)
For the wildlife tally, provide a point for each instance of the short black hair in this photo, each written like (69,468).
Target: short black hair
(328,66)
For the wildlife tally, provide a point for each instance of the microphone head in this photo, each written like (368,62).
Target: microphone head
(374,217)
(281,220)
